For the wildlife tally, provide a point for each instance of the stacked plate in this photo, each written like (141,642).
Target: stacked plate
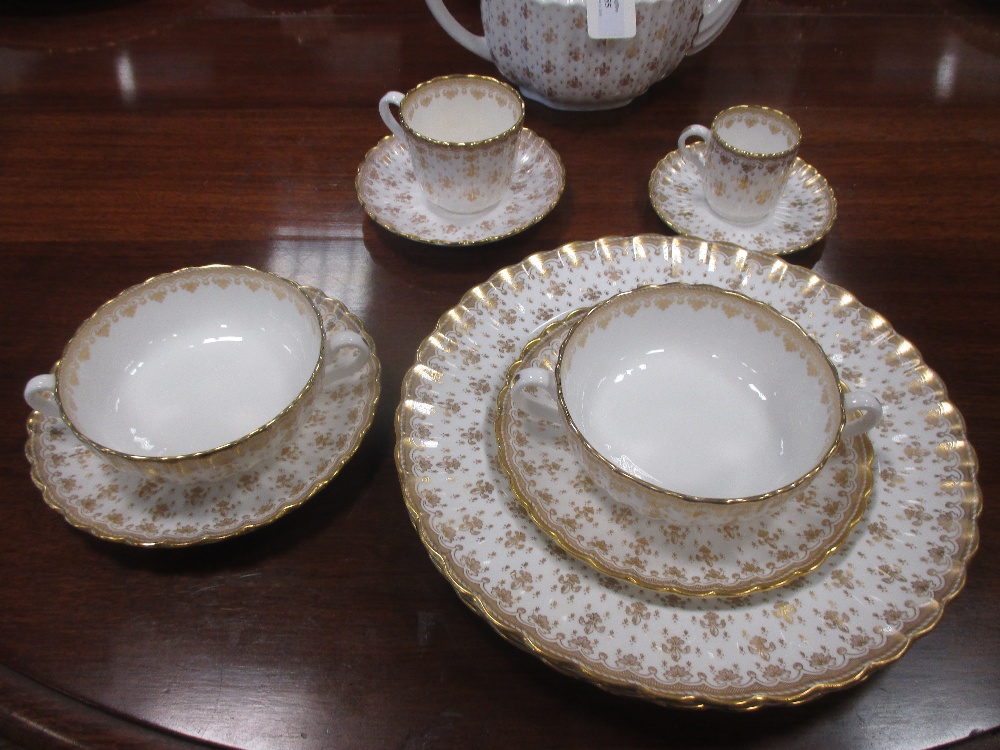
(739,617)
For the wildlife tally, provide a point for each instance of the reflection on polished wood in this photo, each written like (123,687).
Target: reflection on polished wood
(141,136)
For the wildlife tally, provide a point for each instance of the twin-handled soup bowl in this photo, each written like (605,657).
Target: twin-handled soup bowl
(195,375)
(689,402)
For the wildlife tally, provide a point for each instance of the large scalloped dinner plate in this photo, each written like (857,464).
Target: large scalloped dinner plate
(861,609)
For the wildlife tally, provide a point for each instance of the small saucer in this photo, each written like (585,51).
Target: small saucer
(389,193)
(699,560)
(803,216)
(120,507)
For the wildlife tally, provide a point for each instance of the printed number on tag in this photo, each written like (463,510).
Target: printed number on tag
(611,19)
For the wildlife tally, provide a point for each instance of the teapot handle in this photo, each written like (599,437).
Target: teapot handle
(715,16)
(472,42)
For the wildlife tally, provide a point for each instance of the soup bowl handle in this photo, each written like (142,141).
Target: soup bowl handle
(871,413)
(543,402)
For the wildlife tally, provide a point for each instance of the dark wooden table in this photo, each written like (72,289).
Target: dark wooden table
(137,137)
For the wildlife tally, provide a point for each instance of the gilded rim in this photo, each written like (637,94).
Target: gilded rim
(463,78)
(635,252)
(673,165)
(529,503)
(51,492)
(193,271)
(527,135)
(770,112)
(663,491)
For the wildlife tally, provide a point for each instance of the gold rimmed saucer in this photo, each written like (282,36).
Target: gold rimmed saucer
(707,559)
(803,216)
(119,507)
(388,191)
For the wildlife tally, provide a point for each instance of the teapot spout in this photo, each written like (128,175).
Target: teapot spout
(472,42)
(715,16)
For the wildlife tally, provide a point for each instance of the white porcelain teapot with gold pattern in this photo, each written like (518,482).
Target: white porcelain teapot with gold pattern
(548,47)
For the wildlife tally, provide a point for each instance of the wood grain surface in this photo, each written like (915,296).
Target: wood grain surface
(142,136)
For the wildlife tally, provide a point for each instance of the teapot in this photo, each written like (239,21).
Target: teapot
(546,47)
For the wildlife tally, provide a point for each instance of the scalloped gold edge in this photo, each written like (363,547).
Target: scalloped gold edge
(318,297)
(732,590)
(810,175)
(968,466)
(462,243)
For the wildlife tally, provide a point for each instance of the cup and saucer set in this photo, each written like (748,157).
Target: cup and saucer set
(460,167)
(744,184)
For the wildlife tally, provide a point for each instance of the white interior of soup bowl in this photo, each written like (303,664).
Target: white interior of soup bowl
(699,391)
(191,361)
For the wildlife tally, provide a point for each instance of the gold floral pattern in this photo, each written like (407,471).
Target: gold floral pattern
(464,175)
(92,348)
(544,46)
(624,479)
(120,507)
(770,647)
(803,215)
(388,191)
(745,185)
(699,559)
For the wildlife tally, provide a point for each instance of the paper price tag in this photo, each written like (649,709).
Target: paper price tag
(611,19)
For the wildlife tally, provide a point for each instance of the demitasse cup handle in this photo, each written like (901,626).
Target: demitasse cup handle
(548,409)
(391,98)
(346,340)
(871,413)
(40,395)
(695,131)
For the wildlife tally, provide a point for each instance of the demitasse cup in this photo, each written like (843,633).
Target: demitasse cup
(748,154)
(688,402)
(195,375)
(461,132)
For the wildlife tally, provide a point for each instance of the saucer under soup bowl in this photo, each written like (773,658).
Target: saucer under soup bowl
(194,375)
(693,403)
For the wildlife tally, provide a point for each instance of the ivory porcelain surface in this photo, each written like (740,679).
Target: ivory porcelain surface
(803,215)
(462,132)
(699,391)
(885,586)
(166,377)
(119,506)
(191,375)
(544,46)
(388,191)
(749,152)
(721,557)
